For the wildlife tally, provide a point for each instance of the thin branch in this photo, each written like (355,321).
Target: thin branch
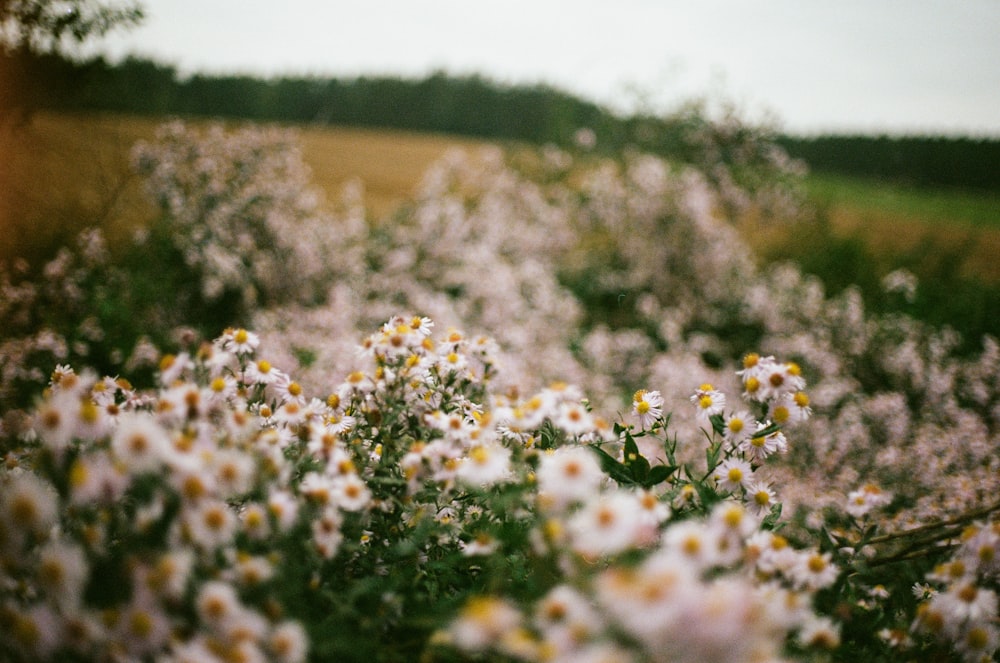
(963,518)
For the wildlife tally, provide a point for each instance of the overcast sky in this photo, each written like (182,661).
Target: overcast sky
(815,65)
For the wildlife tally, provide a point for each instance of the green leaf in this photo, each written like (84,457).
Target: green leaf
(631,449)
(772,518)
(712,456)
(658,474)
(708,496)
(639,468)
(769,430)
(718,424)
(612,467)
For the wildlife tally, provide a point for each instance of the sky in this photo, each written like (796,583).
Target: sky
(810,66)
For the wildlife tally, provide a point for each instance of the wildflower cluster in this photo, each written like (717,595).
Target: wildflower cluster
(659,561)
(235,209)
(455,479)
(210,518)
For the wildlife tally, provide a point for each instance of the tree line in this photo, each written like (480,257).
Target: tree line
(461,105)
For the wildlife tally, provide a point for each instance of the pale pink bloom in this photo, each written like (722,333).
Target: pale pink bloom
(283,506)
(569,474)
(288,642)
(485,464)
(484,622)
(737,427)
(27,504)
(760,498)
(566,618)
(708,401)
(240,341)
(62,570)
(350,493)
(327,536)
(813,571)
(820,632)
(964,601)
(210,524)
(606,525)
(647,406)
(861,501)
(216,603)
(94,477)
(483,544)
(758,447)
(574,419)
(692,541)
(733,473)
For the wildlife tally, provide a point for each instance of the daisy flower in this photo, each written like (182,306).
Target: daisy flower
(62,571)
(568,474)
(709,401)
(485,464)
(759,447)
(261,372)
(760,498)
(483,622)
(737,427)
(574,419)
(351,493)
(288,642)
(791,408)
(606,525)
(240,341)
(861,501)
(140,443)
(647,406)
(733,473)
(813,571)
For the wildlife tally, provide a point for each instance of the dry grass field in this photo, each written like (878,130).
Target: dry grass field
(63,172)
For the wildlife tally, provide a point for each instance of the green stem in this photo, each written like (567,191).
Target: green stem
(960,519)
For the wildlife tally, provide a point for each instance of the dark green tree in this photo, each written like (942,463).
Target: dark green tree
(37,40)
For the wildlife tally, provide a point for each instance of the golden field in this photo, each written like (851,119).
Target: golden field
(63,172)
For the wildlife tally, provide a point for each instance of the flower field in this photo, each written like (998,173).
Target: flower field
(552,408)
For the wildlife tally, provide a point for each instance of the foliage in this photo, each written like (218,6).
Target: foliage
(46,26)
(413,510)
(921,161)
(450,495)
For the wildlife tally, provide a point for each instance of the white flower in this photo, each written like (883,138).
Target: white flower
(733,473)
(648,407)
(606,525)
(709,401)
(288,642)
(737,427)
(217,602)
(62,570)
(27,504)
(210,524)
(568,474)
(759,447)
(485,464)
(351,493)
(483,622)
(140,443)
(791,408)
(760,498)
(574,419)
(240,341)
(813,571)
(861,501)
(819,632)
